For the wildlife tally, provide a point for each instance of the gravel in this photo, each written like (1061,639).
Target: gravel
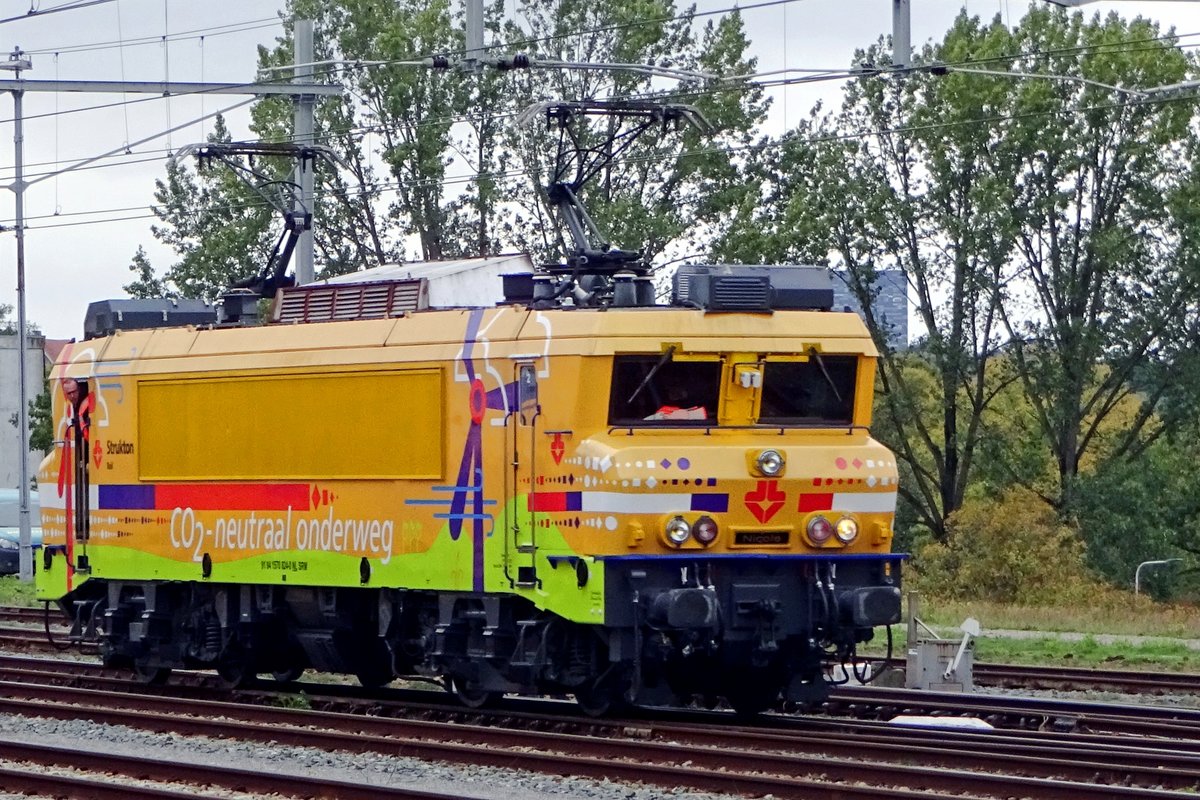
(464,781)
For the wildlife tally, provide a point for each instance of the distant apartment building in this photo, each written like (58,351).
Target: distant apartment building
(891,303)
(10,402)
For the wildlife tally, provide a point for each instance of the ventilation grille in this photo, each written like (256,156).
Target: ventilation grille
(326,303)
(736,291)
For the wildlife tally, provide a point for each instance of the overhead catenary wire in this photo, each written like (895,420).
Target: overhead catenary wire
(821,74)
(72,6)
(194,33)
(903,129)
(361,130)
(810,76)
(817,75)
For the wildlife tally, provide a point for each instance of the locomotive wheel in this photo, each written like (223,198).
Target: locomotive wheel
(472,697)
(235,670)
(287,675)
(751,700)
(374,676)
(602,698)
(151,676)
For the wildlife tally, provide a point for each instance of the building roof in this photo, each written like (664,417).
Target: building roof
(53,348)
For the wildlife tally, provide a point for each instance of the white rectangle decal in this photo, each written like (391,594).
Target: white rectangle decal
(51,500)
(619,503)
(865,502)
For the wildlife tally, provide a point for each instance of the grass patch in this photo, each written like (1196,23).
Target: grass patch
(297,701)
(1051,651)
(1088,652)
(1138,617)
(1121,614)
(15,593)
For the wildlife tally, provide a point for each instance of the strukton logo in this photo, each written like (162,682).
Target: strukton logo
(119,448)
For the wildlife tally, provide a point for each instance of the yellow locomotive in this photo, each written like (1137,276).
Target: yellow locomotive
(573,491)
(630,502)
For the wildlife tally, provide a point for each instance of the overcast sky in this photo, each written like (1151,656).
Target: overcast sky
(84,227)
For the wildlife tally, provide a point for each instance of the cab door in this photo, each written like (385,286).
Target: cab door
(521,530)
(81,511)
(80,407)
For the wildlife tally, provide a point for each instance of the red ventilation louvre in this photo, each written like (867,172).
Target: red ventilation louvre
(321,302)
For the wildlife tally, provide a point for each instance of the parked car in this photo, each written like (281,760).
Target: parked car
(10,531)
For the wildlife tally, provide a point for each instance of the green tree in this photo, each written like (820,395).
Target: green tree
(402,112)
(8,323)
(1105,246)
(220,229)
(1133,510)
(1045,221)
(41,423)
(461,177)
(146,285)
(41,426)
(665,191)
(1010,549)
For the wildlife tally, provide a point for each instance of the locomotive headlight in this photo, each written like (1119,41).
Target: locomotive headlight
(770,462)
(819,530)
(847,530)
(705,530)
(678,531)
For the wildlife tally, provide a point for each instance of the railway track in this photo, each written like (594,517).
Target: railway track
(69,772)
(1072,678)
(1016,712)
(852,758)
(1000,675)
(1054,749)
(24,614)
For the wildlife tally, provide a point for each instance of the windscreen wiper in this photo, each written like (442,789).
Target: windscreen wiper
(812,351)
(654,371)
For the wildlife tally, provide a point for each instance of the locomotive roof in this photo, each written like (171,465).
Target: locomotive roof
(438,335)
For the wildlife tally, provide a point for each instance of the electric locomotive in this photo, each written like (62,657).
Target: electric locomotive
(576,490)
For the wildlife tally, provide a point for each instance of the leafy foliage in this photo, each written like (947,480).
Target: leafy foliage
(1007,550)
(1046,221)
(462,177)
(217,226)
(8,323)
(1134,511)
(146,285)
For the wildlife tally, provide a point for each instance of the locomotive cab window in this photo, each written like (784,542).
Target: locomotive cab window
(819,391)
(657,390)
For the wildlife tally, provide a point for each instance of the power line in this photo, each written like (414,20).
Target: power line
(650,159)
(193,33)
(469,117)
(55,9)
(827,75)
(708,91)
